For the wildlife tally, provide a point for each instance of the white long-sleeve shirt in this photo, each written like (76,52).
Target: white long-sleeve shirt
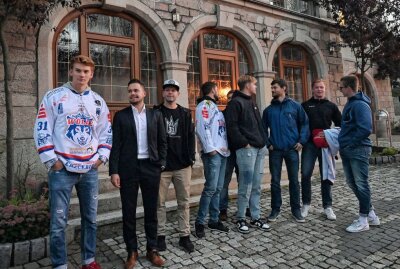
(141,132)
(73,127)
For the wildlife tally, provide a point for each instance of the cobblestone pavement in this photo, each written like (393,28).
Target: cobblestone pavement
(317,243)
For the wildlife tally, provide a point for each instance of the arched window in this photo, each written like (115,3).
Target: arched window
(120,47)
(293,64)
(217,57)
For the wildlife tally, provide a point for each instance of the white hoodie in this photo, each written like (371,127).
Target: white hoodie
(73,127)
(211,128)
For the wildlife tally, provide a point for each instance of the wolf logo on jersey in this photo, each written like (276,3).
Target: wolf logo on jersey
(80,129)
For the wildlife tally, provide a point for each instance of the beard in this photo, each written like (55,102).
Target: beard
(135,102)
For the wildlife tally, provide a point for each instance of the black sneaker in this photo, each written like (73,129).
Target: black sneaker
(161,245)
(199,230)
(218,226)
(297,216)
(223,215)
(260,224)
(186,244)
(248,213)
(273,215)
(242,226)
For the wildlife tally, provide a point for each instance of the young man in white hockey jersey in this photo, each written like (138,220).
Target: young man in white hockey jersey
(73,137)
(211,131)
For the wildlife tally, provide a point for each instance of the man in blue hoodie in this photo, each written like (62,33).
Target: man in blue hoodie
(286,125)
(355,149)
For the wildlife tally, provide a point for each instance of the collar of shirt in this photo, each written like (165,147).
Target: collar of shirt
(135,111)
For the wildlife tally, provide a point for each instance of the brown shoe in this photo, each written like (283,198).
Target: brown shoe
(131,261)
(154,258)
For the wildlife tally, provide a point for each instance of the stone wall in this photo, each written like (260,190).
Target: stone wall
(23,84)
(244,19)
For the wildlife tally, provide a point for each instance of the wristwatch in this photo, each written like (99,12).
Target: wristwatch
(162,167)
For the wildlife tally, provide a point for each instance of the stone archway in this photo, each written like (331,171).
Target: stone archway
(241,31)
(138,9)
(309,45)
(305,41)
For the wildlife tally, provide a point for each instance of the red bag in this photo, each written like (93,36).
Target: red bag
(319,138)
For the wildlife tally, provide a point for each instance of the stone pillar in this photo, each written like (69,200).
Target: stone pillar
(178,71)
(264,96)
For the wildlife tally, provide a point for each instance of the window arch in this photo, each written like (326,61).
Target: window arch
(215,56)
(120,47)
(294,64)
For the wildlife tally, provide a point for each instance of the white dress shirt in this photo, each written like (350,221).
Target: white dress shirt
(141,132)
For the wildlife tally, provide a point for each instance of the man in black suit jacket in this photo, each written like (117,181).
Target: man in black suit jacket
(137,158)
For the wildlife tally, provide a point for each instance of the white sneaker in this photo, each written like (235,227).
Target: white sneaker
(357,227)
(374,221)
(329,213)
(304,210)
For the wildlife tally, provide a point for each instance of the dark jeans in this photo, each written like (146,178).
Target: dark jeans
(291,158)
(230,165)
(309,155)
(148,179)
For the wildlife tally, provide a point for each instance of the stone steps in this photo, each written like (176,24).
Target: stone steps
(109,209)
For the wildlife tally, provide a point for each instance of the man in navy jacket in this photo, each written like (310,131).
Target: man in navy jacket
(355,149)
(286,125)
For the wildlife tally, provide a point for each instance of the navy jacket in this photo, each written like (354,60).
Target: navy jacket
(356,122)
(285,124)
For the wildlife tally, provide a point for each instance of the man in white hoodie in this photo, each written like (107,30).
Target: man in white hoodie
(211,131)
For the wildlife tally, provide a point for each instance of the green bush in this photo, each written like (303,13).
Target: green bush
(390,151)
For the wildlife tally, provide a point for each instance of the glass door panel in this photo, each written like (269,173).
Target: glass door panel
(220,72)
(112,70)
(295,80)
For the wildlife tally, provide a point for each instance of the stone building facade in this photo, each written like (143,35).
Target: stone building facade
(191,41)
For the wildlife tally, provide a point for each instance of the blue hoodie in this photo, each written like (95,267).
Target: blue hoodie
(356,122)
(285,124)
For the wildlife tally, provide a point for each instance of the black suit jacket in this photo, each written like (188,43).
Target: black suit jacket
(123,156)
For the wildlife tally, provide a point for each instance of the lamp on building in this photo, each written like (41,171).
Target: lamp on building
(334,46)
(265,34)
(176,17)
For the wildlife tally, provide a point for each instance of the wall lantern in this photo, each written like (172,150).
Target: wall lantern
(265,34)
(176,17)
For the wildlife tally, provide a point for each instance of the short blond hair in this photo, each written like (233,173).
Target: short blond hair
(82,59)
(243,80)
(318,80)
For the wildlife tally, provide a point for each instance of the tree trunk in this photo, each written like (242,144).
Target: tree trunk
(9,113)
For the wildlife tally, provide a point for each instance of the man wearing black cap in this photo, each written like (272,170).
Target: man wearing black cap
(180,158)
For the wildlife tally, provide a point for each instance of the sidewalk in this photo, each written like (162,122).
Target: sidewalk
(318,243)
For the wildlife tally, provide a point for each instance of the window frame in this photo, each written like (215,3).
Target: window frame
(86,37)
(303,64)
(218,54)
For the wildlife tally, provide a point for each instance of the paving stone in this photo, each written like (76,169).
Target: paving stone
(318,243)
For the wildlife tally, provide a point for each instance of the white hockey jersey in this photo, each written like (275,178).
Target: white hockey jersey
(211,128)
(73,127)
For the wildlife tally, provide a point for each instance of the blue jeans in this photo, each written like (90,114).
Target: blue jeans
(291,158)
(60,187)
(309,155)
(214,173)
(224,195)
(355,162)
(251,166)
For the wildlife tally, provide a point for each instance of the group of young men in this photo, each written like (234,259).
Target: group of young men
(150,148)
